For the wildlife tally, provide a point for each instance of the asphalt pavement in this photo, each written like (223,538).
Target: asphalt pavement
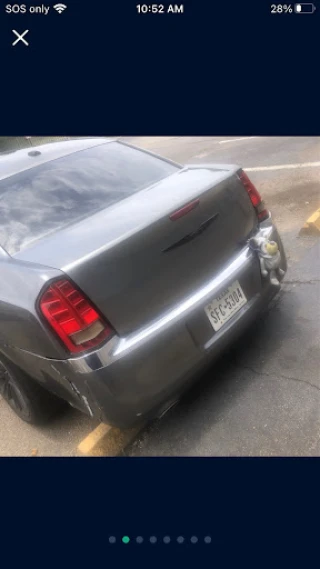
(262,397)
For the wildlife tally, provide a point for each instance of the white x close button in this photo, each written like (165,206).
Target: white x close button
(20,37)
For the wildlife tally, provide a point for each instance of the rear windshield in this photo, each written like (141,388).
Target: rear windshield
(54,195)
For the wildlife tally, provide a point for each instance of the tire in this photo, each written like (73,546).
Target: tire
(27,399)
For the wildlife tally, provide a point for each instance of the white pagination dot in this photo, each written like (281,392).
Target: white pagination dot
(153,539)
(139,539)
(207,539)
(112,539)
(194,539)
(180,539)
(166,539)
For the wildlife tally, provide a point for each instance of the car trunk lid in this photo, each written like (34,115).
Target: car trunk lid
(137,259)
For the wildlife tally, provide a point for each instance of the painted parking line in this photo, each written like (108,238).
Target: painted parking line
(283,167)
(105,440)
(208,152)
(236,139)
(312,225)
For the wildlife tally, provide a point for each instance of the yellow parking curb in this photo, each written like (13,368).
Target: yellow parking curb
(107,441)
(312,225)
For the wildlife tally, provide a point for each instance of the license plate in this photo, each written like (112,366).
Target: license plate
(222,308)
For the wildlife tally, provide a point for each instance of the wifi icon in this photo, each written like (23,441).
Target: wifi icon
(60,8)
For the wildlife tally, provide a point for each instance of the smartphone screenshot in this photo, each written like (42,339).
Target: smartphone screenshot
(159,281)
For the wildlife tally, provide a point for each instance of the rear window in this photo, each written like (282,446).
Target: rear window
(54,195)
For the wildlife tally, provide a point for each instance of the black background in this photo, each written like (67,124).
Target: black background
(259,512)
(221,68)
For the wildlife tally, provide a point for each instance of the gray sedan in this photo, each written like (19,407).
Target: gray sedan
(123,275)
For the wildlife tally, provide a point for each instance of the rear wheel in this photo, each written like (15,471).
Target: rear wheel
(27,399)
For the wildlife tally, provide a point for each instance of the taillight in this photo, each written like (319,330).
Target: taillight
(73,317)
(254,196)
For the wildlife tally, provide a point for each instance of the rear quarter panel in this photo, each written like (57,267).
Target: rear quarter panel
(20,325)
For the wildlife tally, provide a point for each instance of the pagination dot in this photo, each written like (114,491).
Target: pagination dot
(112,539)
(207,539)
(194,539)
(180,539)
(166,539)
(153,539)
(139,539)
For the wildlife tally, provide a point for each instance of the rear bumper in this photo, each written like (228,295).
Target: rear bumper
(132,378)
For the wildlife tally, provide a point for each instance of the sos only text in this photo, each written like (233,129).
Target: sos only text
(23,9)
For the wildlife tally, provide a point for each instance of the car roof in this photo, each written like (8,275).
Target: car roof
(17,161)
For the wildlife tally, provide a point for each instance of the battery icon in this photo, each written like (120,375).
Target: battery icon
(304,8)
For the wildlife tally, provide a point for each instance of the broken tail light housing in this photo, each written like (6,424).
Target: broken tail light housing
(254,196)
(73,317)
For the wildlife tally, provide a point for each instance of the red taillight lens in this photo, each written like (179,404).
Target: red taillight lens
(254,196)
(73,317)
